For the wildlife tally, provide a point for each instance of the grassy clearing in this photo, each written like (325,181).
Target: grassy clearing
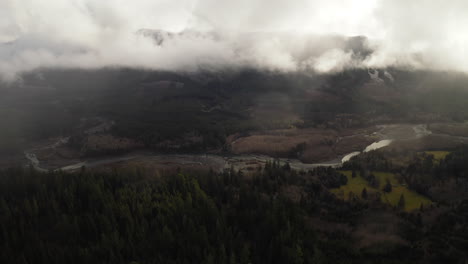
(355,185)
(438,155)
(413,200)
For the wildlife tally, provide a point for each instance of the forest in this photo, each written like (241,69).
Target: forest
(273,215)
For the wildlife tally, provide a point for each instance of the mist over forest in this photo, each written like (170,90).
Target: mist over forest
(202,131)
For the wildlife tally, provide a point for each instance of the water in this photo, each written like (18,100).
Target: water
(33,160)
(377,145)
(182,159)
(349,156)
(373,146)
(239,162)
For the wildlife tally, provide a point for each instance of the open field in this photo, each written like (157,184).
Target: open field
(282,142)
(413,200)
(309,145)
(438,155)
(453,129)
(355,185)
(430,142)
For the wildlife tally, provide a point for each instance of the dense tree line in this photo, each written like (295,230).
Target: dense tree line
(123,217)
(266,217)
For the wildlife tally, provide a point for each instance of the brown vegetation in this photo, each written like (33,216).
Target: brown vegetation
(309,145)
(453,129)
(106,142)
(430,142)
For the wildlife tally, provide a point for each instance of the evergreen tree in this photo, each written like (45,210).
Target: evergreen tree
(401,202)
(373,181)
(364,194)
(388,187)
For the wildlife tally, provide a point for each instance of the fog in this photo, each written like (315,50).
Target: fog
(278,35)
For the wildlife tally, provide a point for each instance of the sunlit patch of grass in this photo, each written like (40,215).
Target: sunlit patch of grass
(355,185)
(413,200)
(384,176)
(438,155)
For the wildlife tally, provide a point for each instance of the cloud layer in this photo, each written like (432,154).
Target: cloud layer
(271,34)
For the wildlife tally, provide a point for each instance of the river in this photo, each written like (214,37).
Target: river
(239,162)
(387,134)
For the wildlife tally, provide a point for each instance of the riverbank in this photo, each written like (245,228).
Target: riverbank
(388,135)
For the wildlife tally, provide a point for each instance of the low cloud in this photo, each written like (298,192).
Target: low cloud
(315,35)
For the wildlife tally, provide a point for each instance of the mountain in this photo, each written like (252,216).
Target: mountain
(208,111)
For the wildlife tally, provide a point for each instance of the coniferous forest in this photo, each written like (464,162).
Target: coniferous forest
(274,215)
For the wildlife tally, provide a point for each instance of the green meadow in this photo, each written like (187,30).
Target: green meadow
(438,155)
(355,185)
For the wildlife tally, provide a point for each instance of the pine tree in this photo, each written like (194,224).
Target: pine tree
(245,255)
(419,221)
(401,202)
(299,255)
(364,194)
(232,258)
(388,187)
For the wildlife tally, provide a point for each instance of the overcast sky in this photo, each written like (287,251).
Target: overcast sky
(283,35)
